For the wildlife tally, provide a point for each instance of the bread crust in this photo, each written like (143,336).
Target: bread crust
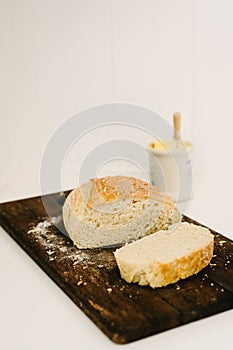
(111,188)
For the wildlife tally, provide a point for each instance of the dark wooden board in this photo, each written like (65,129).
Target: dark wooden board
(124,312)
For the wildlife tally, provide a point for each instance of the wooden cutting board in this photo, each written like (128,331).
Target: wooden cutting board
(124,312)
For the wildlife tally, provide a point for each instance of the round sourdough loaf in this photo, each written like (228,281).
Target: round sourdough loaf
(115,209)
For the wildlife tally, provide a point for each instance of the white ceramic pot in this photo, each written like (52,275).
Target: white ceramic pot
(171,171)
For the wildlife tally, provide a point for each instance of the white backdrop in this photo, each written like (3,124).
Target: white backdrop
(59,57)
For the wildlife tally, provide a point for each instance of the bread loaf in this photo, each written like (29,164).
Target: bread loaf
(115,209)
(166,256)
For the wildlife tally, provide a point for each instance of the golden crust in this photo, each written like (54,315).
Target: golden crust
(111,188)
(185,266)
(74,199)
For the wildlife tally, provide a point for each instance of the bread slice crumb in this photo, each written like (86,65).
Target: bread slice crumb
(165,257)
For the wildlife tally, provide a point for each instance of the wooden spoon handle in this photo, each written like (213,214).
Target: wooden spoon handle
(176,125)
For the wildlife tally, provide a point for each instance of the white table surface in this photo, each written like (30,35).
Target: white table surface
(36,314)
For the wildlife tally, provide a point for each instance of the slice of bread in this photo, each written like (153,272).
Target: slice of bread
(166,256)
(116,209)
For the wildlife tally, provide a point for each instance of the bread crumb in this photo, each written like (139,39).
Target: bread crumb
(109,290)
(177,287)
(122,288)
(79,282)
(221,243)
(222,290)
(50,252)
(212,284)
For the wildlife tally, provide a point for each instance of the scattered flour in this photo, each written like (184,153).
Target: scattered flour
(55,245)
(42,226)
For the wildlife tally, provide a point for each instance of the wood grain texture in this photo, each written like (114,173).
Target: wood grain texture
(90,277)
